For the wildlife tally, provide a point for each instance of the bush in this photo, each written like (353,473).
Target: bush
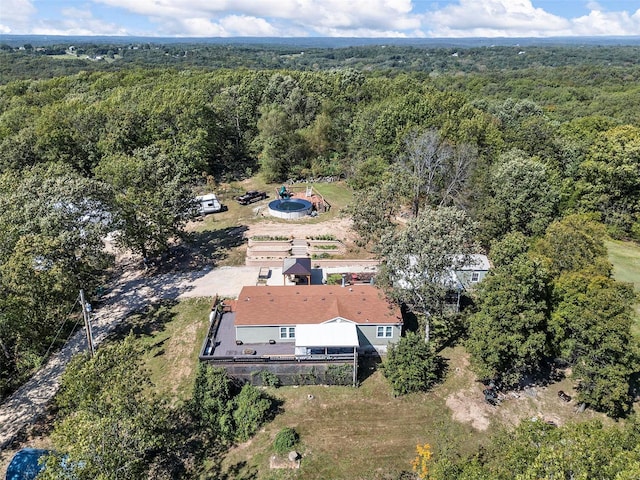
(412,365)
(252,409)
(269,379)
(285,440)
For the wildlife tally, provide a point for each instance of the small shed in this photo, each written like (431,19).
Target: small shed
(297,267)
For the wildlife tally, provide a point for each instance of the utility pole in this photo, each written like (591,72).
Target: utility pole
(86,313)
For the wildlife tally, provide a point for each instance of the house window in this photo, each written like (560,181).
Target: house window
(475,277)
(287,332)
(384,331)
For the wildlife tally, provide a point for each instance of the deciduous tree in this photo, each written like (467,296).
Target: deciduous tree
(112,423)
(522,197)
(419,261)
(508,334)
(434,171)
(610,179)
(591,326)
(151,199)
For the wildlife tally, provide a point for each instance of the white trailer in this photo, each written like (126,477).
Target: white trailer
(209,204)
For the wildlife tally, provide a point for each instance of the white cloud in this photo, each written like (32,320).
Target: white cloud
(232,25)
(493,18)
(246,26)
(599,22)
(77,21)
(509,18)
(375,17)
(336,18)
(15,15)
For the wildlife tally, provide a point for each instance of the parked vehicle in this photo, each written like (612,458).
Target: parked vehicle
(209,204)
(251,196)
(25,464)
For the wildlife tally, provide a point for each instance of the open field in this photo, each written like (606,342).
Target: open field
(625,257)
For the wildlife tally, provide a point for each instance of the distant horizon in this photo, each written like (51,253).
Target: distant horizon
(322,18)
(328,42)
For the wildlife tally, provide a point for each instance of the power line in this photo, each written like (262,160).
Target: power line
(61,327)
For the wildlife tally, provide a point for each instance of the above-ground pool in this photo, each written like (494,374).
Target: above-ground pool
(290,208)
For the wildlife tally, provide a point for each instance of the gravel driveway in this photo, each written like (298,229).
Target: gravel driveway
(131,292)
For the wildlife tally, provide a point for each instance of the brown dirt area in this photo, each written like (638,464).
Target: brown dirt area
(341,228)
(467,403)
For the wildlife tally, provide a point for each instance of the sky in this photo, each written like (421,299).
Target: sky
(321,18)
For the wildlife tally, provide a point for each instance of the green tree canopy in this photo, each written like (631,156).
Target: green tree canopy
(226,410)
(535,450)
(572,243)
(151,199)
(52,224)
(522,197)
(508,334)
(411,365)
(419,259)
(112,422)
(610,179)
(591,325)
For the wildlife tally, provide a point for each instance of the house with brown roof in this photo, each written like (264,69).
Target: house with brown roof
(317,319)
(300,334)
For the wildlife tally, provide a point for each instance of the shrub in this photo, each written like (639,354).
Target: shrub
(412,365)
(252,409)
(326,236)
(269,379)
(285,440)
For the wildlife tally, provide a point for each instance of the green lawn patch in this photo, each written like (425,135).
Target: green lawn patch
(625,257)
(338,194)
(172,334)
(353,433)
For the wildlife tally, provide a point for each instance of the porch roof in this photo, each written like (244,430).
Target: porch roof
(344,334)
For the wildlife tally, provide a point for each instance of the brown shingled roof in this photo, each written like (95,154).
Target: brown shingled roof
(313,304)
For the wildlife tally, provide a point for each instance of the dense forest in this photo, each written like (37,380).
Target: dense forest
(535,151)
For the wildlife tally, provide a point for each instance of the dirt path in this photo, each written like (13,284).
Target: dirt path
(130,293)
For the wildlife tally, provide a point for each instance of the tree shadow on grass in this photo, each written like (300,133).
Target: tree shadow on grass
(239,471)
(200,249)
(147,322)
(367,365)
(213,246)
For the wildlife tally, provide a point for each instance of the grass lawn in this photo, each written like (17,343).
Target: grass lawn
(367,433)
(172,335)
(352,433)
(625,257)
